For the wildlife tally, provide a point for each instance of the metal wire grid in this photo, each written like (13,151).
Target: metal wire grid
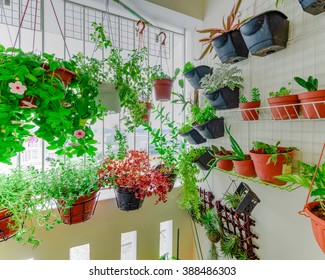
(122,31)
(12,14)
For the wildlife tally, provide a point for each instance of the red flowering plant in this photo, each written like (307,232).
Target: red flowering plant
(134,173)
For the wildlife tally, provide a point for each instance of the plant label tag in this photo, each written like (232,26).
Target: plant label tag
(287,168)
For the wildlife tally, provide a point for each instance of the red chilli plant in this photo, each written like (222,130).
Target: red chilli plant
(228,25)
(134,172)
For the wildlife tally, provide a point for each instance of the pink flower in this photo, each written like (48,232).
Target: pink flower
(17,87)
(32,140)
(79,133)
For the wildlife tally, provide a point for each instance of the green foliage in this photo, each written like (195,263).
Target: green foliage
(188,66)
(187,173)
(23,194)
(243,98)
(225,75)
(230,247)
(213,252)
(123,146)
(239,153)
(194,153)
(202,115)
(233,199)
(256,96)
(282,92)
(186,127)
(212,224)
(311,84)
(220,151)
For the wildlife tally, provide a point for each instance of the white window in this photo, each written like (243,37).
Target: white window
(129,245)
(81,252)
(166,239)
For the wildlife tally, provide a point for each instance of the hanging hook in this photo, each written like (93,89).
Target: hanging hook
(163,42)
(142,28)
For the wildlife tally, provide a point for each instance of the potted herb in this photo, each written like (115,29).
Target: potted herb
(248,111)
(271,160)
(134,179)
(195,74)
(283,105)
(312,176)
(315,98)
(207,123)
(24,206)
(202,156)
(223,163)
(227,41)
(221,88)
(74,187)
(266,33)
(212,225)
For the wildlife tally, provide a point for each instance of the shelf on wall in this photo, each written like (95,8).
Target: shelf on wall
(293,112)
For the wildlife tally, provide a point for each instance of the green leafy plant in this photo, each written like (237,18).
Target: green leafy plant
(231,247)
(212,225)
(311,84)
(256,96)
(186,127)
(273,150)
(227,25)
(188,66)
(23,194)
(194,153)
(121,140)
(225,75)
(221,151)
(233,199)
(202,115)
(282,92)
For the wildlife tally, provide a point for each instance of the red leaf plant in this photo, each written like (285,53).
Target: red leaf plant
(135,173)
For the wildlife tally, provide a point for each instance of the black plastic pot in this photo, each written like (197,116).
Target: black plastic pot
(313,7)
(266,33)
(195,75)
(126,199)
(212,129)
(224,98)
(249,201)
(193,137)
(230,47)
(204,160)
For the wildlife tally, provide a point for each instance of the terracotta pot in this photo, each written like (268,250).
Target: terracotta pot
(163,89)
(64,74)
(5,231)
(249,115)
(266,172)
(245,167)
(225,164)
(313,111)
(146,116)
(28,102)
(317,224)
(108,96)
(82,209)
(282,111)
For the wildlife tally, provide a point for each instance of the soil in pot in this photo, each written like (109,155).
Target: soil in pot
(247,114)
(195,75)
(281,109)
(163,89)
(126,199)
(266,33)
(314,7)
(313,110)
(5,231)
(82,210)
(109,97)
(193,137)
(245,167)
(266,171)
(224,98)
(230,47)
(212,129)
(313,210)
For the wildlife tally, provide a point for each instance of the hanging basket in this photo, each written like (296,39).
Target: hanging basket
(108,96)
(82,210)
(249,199)
(204,160)
(163,89)
(63,74)
(5,231)
(126,199)
(193,137)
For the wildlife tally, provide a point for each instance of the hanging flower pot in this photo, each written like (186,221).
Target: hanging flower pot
(314,7)
(146,116)
(230,47)
(127,199)
(193,137)
(266,33)
(245,167)
(108,96)
(169,172)
(82,209)
(65,75)
(249,199)
(280,108)
(315,104)
(5,231)
(163,89)
(318,224)
(248,111)
(211,129)
(195,75)
(224,98)
(204,160)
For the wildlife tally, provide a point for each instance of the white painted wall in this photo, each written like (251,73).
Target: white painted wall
(283,234)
